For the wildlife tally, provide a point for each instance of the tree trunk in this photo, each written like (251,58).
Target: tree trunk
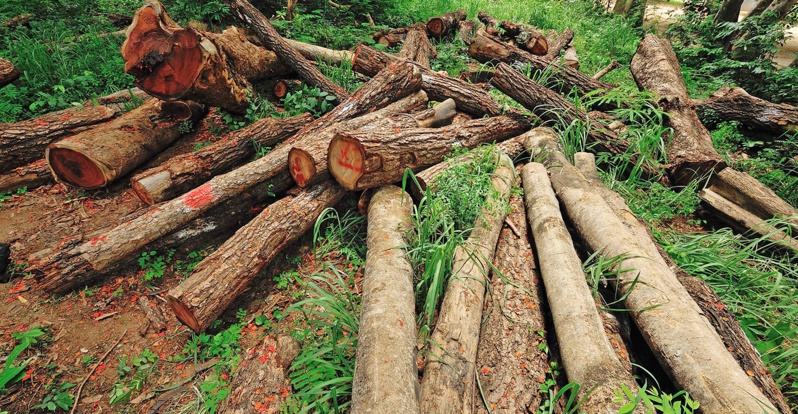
(315,53)
(748,193)
(759,8)
(29,176)
(440,26)
(729,11)
(260,383)
(283,87)
(559,43)
(466,31)
(781,7)
(393,37)
(8,72)
(690,152)
(386,372)
(173,63)
(186,171)
(491,24)
(509,362)
(361,160)
(100,156)
(85,261)
(468,98)
(417,48)
(221,277)
(686,345)
(287,54)
(586,352)
(735,104)
(309,161)
(607,69)
(449,385)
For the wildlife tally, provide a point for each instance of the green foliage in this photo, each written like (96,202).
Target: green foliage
(343,235)
(341,74)
(326,26)
(212,12)
(11,372)
(153,264)
(8,195)
(187,265)
(307,99)
(132,377)
(451,57)
(57,398)
(260,150)
(652,400)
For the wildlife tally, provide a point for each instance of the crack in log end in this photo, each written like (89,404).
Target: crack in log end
(199,197)
(75,168)
(183,313)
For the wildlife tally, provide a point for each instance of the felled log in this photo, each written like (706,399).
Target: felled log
(509,362)
(476,76)
(449,385)
(283,86)
(586,352)
(527,37)
(260,383)
(174,63)
(490,22)
(316,53)
(749,193)
(31,176)
(393,37)
(417,48)
(607,69)
(308,162)
(442,25)
(75,264)
(184,172)
(559,43)
(684,342)
(690,152)
(287,54)
(361,160)
(569,58)
(221,277)
(735,104)
(386,371)
(466,31)
(468,98)
(97,157)
(8,72)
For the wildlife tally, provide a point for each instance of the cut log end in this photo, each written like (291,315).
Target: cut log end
(436,27)
(75,168)
(183,313)
(302,166)
(538,45)
(346,160)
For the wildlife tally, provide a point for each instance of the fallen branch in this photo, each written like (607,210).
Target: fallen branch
(607,69)
(29,176)
(735,104)
(559,44)
(393,37)
(316,53)
(491,24)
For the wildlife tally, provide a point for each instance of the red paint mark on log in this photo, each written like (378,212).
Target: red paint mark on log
(296,172)
(346,148)
(66,116)
(41,123)
(199,197)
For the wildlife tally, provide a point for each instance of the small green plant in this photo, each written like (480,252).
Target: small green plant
(652,400)
(260,150)
(342,235)
(154,264)
(308,99)
(8,195)
(187,265)
(59,97)
(187,127)
(57,398)
(132,377)
(12,372)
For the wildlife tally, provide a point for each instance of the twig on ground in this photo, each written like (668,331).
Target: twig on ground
(94,368)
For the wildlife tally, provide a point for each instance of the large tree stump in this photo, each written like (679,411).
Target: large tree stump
(386,372)
(8,72)
(186,171)
(360,160)
(173,63)
(30,176)
(690,152)
(684,342)
(735,104)
(224,275)
(97,157)
(468,98)
(440,26)
(449,385)
(417,48)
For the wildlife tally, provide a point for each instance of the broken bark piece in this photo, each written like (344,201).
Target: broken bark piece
(736,104)
(272,40)
(509,360)
(558,44)
(96,158)
(449,385)
(442,25)
(386,371)
(466,30)
(417,48)
(361,160)
(684,342)
(29,176)
(221,277)
(308,162)
(491,24)
(8,72)
(468,98)
(184,172)
(260,383)
(690,152)
(748,193)
(393,37)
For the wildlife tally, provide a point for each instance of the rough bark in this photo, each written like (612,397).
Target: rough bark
(174,63)
(527,37)
(318,53)
(287,54)
(393,37)
(309,161)
(690,152)
(729,11)
(442,25)
(417,48)
(30,176)
(184,172)
(607,69)
(466,31)
(491,24)
(735,104)
(759,8)
(361,160)
(449,385)
(260,383)
(509,362)
(221,277)
(76,263)
(559,43)
(386,372)
(8,72)
(468,98)
(748,193)
(684,342)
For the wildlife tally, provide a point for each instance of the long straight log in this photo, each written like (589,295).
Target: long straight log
(386,372)
(748,193)
(74,265)
(684,342)
(736,104)
(318,53)
(442,25)
(221,277)
(690,152)
(245,12)
(360,160)
(417,48)
(468,98)
(30,176)
(98,157)
(449,385)
(186,171)
(8,72)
